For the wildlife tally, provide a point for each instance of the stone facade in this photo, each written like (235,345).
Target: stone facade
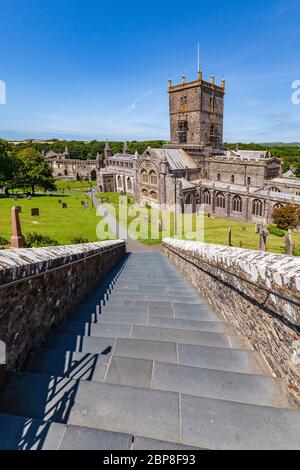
(258,293)
(194,168)
(196,112)
(40,287)
(70,169)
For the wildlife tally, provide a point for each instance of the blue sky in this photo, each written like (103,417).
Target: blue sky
(90,69)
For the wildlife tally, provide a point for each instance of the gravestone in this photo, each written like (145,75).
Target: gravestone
(64,206)
(229,237)
(289,246)
(86,205)
(263,234)
(82,203)
(59,201)
(35,212)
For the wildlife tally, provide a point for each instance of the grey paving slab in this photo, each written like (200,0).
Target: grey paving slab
(147,413)
(182,336)
(82,438)
(204,314)
(96,329)
(161,312)
(232,386)
(153,350)
(80,343)
(183,324)
(124,309)
(228,359)
(156,297)
(123,319)
(180,307)
(142,443)
(19,433)
(129,371)
(217,424)
(117,295)
(84,366)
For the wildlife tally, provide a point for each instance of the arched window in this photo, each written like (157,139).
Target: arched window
(275,190)
(119,182)
(277,206)
(153,195)
(257,207)
(248,180)
(232,178)
(206,197)
(219,176)
(220,199)
(129,183)
(188,199)
(237,204)
(145,193)
(153,178)
(144,176)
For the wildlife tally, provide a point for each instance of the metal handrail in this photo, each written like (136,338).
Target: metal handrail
(57,268)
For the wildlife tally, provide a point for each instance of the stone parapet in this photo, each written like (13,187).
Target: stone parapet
(257,292)
(39,287)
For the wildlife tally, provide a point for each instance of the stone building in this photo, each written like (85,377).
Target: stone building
(194,168)
(70,169)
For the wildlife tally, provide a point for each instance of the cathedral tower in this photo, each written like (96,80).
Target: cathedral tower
(196,114)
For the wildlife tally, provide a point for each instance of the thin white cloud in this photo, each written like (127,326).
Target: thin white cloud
(132,106)
(282,12)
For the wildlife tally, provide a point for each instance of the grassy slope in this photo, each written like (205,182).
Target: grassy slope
(60,224)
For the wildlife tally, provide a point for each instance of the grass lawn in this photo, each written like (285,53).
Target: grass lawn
(54,221)
(216,231)
(74,185)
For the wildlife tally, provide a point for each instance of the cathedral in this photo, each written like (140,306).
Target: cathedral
(194,168)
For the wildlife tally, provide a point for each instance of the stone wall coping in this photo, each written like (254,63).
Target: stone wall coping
(273,272)
(19,263)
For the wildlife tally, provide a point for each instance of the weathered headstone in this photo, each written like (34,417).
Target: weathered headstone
(289,245)
(35,212)
(59,201)
(64,205)
(17,240)
(208,215)
(82,203)
(229,237)
(241,244)
(263,234)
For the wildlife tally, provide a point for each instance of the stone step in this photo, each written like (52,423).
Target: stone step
(227,359)
(147,413)
(102,330)
(150,289)
(225,425)
(245,388)
(218,384)
(141,349)
(84,366)
(155,297)
(155,414)
(187,337)
(115,318)
(192,325)
(19,433)
(77,343)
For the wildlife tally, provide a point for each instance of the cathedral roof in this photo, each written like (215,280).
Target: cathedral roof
(177,159)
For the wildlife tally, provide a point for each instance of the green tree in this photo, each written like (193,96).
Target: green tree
(37,172)
(286,217)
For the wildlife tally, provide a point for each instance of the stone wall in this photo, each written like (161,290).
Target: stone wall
(40,287)
(257,292)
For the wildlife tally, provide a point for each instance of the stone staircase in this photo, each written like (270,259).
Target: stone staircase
(146,364)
